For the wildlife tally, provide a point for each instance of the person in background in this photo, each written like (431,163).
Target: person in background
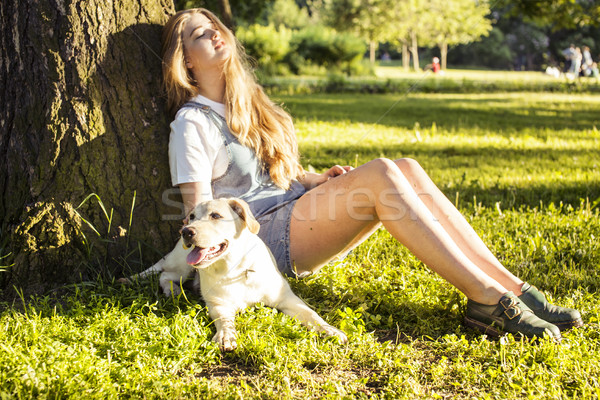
(435,65)
(576,63)
(587,62)
(569,53)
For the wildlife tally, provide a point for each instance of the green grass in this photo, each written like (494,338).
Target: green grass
(511,148)
(524,170)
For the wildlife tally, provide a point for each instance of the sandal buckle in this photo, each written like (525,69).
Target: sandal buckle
(508,302)
(512,312)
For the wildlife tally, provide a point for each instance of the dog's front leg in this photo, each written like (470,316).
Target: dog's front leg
(225,324)
(169,284)
(293,306)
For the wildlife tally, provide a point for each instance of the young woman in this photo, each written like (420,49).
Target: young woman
(229,139)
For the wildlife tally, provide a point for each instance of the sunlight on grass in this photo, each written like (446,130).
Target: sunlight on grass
(501,147)
(395,71)
(524,170)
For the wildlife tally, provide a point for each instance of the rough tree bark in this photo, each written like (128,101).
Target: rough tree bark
(81,112)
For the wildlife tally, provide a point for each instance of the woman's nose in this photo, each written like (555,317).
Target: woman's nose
(215,35)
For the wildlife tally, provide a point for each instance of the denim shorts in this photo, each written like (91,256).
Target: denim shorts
(275,232)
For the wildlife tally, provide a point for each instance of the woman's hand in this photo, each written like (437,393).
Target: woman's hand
(312,180)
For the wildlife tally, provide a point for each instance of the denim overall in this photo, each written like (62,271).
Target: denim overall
(246,178)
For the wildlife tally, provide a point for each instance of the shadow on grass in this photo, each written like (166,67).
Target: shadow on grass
(450,112)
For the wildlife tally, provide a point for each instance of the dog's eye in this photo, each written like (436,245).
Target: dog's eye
(215,215)
(192,216)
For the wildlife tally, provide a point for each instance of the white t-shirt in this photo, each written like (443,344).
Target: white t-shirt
(196,149)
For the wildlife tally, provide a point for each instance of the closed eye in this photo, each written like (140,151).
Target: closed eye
(215,215)
(210,26)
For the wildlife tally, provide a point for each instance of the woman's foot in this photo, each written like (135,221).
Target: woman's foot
(563,318)
(510,315)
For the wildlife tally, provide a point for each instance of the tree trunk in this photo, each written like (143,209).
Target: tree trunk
(405,56)
(226,14)
(414,49)
(82,113)
(372,48)
(443,54)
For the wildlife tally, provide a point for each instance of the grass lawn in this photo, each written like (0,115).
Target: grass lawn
(523,168)
(394,70)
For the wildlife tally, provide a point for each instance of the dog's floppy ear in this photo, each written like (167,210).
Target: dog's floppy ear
(240,207)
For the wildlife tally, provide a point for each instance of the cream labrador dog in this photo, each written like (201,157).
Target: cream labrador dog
(235,269)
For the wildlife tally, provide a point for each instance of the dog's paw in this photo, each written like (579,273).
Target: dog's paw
(334,332)
(170,288)
(225,340)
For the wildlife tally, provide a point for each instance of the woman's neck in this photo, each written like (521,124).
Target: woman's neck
(211,84)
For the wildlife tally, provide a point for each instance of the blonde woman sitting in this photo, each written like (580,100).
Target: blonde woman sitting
(229,139)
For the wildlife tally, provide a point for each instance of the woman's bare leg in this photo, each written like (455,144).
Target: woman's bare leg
(457,227)
(339,213)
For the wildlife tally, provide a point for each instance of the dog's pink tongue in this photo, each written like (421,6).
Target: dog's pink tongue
(196,255)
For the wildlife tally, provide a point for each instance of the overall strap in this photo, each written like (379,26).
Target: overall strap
(217,119)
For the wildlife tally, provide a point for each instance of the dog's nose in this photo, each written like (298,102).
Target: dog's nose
(188,233)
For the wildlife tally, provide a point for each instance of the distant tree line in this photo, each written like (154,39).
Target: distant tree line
(296,35)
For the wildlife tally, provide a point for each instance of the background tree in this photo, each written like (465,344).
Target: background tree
(456,22)
(398,34)
(369,19)
(557,14)
(242,11)
(411,19)
(82,113)
(521,41)
(288,14)
(491,51)
(226,14)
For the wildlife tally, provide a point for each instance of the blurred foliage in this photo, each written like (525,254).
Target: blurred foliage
(491,51)
(266,44)
(244,11)
(556,14)
(526,34)
(325,46)
(286,13)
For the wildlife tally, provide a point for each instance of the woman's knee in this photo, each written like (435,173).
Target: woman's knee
(408,165)
(384,166)
(381,173)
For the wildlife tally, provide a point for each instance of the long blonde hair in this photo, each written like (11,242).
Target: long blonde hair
(257,122)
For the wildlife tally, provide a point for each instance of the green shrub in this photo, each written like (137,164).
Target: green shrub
(324,46)
(279,51)
(347,48)
(491,51)
(314,44)
(266,44)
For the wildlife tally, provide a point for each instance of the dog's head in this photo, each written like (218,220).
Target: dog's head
(213,226)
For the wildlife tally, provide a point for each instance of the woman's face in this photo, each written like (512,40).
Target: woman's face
(204,47)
